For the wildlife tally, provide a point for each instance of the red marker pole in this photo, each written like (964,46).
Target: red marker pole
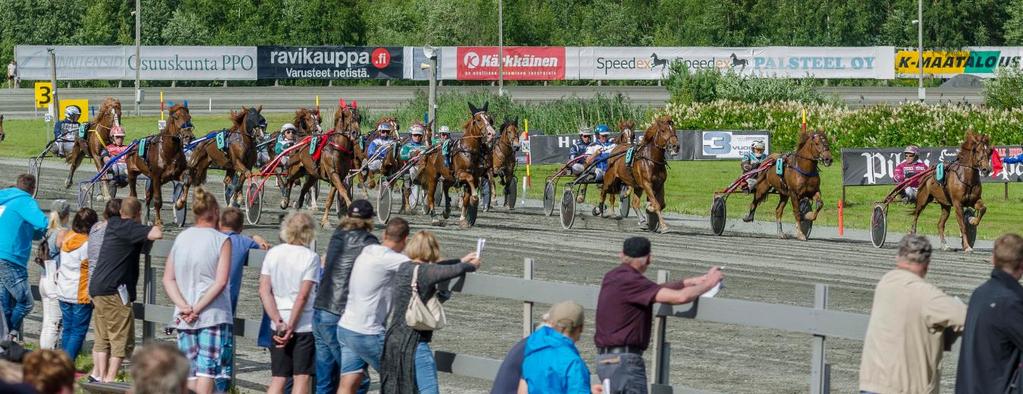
(841,219)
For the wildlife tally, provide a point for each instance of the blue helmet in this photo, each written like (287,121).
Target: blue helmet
(602,129)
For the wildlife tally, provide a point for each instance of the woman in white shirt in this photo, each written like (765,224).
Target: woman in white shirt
(286,286)
(195,279)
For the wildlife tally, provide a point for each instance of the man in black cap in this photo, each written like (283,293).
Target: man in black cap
(346,244)
(625,314)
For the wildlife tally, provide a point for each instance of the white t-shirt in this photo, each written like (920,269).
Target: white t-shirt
(370,290)
(196,254)
(288,266)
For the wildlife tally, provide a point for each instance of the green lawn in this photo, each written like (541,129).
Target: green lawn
(691,185)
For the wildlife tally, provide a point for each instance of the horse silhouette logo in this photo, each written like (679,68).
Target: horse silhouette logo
(658,62)
(739,62)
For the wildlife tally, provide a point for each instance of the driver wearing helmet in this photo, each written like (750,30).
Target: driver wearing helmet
(751,160)
(600,151)
(910,165)
(444,140)
(413,148)
(579,148)
(286,139)
(65,132)
(380,145)
(115,148)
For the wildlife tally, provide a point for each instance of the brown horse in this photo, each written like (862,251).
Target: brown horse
(3,136)
(333,164)
(627,134)
(434,173)
(648,170)
(960,188)
(97,137)
(163,159)
(468,161)
(502,158)
(236,159)
(800,179)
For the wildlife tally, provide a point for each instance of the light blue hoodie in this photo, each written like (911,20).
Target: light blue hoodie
(21,221)
(552,364)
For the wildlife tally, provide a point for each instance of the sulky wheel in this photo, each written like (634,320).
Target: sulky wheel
(86,194)
(626,202)
(485,193)
(34,166)
(567,209)
(805,206)
(472,212)
(253,201)
(548,198)
(971,230)
(718,215)
(384,198)
(878,225)
(511,192)
(179,214)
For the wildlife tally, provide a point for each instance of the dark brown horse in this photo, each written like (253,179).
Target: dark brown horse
(236,159)
(648,170)
(97,137)
(332,165)
(800,179)
(627,133)
(960,188)
(468,156)
(163,159)
(502,158)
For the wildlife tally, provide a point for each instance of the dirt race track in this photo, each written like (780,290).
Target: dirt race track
(705,356)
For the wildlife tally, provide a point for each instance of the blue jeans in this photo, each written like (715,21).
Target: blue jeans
(426,369)
(328,354)
(76,318)
(16,297)
(359,351)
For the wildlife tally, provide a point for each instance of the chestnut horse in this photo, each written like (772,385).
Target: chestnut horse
(237,160)
(800,179)
(434,173)
(163,159)
(648,170)
(502,158)
(96,139)
(333,164)
(468,156)
(960,188)
(627,134)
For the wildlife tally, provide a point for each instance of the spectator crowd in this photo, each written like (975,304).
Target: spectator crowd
(374,302)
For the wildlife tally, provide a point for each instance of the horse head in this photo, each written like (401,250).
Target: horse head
(510,131)
(662,134)
(628,133)
(108,117)
(180,123)
(815,145)
(347,119)
(481,124)
(975,152)
(307,121)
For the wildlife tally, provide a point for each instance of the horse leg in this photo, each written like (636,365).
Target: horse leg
(780,210)
(466,197)
(132,176)
(945,210)
(980,209)
(759,195)
(75,159)
(819,204)
(325,221)
(651,202)
(307,185)
(961,218)
(289,181)
(156,197)
(659,196)
(922,199)
(798,215)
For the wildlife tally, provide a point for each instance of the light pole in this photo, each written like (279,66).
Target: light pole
(138,55)
(431,67)
(921,92)
(500,47)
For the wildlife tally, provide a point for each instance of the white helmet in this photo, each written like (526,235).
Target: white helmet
(416,129)
(288,126)
(445,130)
(72,110)
(758,145)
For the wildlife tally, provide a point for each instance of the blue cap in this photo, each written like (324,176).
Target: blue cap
(602,129)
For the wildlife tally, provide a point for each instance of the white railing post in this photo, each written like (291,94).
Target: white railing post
(819,369)
(661,362)
(527,306)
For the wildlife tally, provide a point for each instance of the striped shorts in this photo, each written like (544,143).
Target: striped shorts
(209,350)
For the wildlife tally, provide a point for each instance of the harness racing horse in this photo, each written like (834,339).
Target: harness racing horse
(628,135)
(799,179)
(236,158)
(468,157)
(96,139)
(332,163)
(434,173)
(163,159)
(502,157)
(960,187)
(647,171)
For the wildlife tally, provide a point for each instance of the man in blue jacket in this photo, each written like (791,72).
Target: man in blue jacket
(21,221)
(552,363)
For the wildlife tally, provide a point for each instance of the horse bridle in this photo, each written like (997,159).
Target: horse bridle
(820,152)
(652,142)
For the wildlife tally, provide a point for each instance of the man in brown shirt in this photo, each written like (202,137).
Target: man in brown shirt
(903,346)
(625,314)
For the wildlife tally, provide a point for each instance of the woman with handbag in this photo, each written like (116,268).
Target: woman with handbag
(407,365)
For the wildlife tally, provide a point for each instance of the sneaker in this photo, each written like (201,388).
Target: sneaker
(92,379)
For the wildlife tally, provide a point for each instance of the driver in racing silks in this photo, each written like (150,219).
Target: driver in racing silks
(910,166)
(380,146)
(752,160)
(413,148)
(600,151)
(579,148)
(65,132)
(285,140)
(116,146)
(444,140)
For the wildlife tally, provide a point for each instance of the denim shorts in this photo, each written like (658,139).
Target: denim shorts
(359,350)
(626,372)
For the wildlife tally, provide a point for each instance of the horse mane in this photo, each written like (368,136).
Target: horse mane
(239,117)
(103,115)
(654,127)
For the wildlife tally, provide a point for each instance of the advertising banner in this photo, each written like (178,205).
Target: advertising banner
(695,145)
(874,166)
(624,63)
(520,63)
(717,145)
(330,62)
(157,63)
(978,61)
